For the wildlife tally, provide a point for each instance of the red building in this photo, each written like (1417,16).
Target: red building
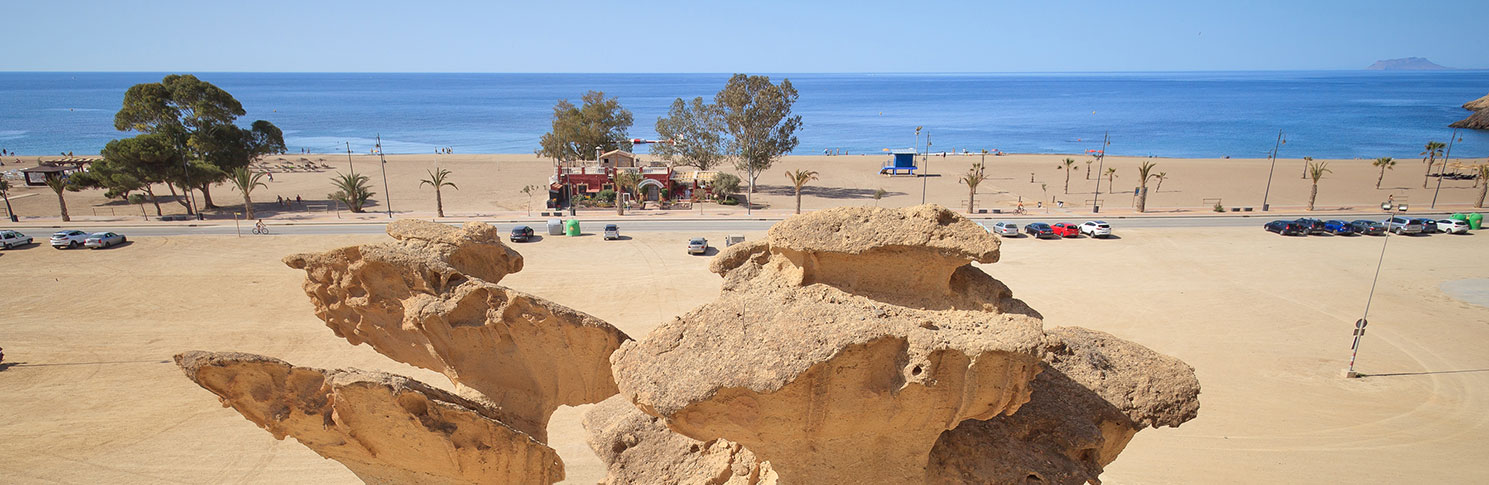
(589,178)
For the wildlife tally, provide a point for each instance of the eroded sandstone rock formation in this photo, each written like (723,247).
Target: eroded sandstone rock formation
(428,299)
(385,428)
(852,340)
(638,448)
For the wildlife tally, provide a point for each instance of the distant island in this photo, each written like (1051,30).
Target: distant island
(1407,64)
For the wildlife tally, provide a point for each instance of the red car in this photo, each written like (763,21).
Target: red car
(1065,229)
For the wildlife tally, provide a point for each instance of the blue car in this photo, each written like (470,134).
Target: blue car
(1338,227)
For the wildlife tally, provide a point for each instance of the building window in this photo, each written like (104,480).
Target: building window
(583,188)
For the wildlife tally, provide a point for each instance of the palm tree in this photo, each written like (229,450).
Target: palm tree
(1068,163)
(1433,149)
(626,182)
(437,179)
(1088,169)
(246,180)
(1316,171)
(1384,163)
(58,183)
(1111,173)
(352,190)
(1483,176)
(1160,176)
(1144,172)
(799,178)
(5,192)
(974,177)
(1306,162)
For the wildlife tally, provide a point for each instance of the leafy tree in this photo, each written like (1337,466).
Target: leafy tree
(197,118)
(577,131)
(1433,149)
(757,117)
(693,131)
(351,189)
(527,190)
(976,176)
(1067,164)
(1160,177)
(725,184)
(1385,163)
(58,183)
(132,164)
(1316,171)
(1483,177)
(879,194)
(1145,173)
(798,179)
(627,182)
(436,179)
(246,180)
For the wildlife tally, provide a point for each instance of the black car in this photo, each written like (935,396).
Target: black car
(522,234)
(1429,226)
(1368,228)
(1040,230)
(1286,228)
(1314,226)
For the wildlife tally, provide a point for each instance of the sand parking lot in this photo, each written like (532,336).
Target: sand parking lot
(89,395)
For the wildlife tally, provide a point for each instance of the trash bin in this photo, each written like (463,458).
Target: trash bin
(1459,216)
(1475,221)
(572,227)
(555,227)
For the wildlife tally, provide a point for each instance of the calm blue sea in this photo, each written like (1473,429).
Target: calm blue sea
(1333,114)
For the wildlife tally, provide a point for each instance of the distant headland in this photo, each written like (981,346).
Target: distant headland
(1407,64)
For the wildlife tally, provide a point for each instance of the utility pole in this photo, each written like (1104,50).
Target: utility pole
(1268,192)
(1354,349)
(351,168)
(385,174)
(1106,139)
(1445,156)
(924,172)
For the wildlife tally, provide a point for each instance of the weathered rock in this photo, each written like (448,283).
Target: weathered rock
(1479,120)
(638,448)
(386,429)
(843,346)
(1094,394)
(1477,104)
(430,300)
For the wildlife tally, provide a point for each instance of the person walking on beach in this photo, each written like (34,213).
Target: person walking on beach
(299,201)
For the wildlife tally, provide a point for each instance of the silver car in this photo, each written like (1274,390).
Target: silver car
(1404,225)
(104,239)
(697,245)
(612,231)
(12,239)
(1006,229)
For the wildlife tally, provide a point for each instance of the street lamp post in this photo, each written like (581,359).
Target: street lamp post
(924,171)
(1268,192)
(385,174)
(1444,168)
(1100,162)
(1354,349)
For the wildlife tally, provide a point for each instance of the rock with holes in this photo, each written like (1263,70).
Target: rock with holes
(1094,394)
(386,429)
(843,346)
(430,299)
(638,448)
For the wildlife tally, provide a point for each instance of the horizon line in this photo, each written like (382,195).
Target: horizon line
(59,71)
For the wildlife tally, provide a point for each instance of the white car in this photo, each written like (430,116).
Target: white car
(612,231)
(1096,229)
(12,239)
(1452,226)
(697,245)
(71,238)
(104,239)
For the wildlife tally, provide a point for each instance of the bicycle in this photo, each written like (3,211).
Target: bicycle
(261,230)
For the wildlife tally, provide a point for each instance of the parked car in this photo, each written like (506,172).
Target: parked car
(12,239)
(1096,229)
(1338,227)
(70,238)
(1286,228)
(1452,226)
(1368,228)
(1065,229)
(697,245)
(1040,230)
(612,231)
(1006,229)
(104,239)
(522,234)
(1429,226)
(1314,226)
(1403,225)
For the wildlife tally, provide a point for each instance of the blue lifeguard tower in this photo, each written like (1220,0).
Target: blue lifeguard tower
(900,161)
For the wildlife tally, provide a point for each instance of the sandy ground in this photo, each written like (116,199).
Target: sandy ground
(490,185)
(89,396)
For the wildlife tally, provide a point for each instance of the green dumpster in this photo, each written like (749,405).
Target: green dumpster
(571,227)
(1459,217)
(1475,221)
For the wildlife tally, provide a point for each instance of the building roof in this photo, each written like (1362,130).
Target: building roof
(618,152)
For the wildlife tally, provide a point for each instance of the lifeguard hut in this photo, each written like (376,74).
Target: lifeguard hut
(900,161)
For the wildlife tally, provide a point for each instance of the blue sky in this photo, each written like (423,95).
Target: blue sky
(736,36)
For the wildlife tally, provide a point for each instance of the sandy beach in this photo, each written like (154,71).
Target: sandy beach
(490,186)
(1265,320)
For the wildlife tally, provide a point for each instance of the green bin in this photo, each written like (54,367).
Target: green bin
(571,227)
(1459,217)
(1475,221)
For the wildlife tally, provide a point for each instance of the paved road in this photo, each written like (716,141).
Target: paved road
(657,225)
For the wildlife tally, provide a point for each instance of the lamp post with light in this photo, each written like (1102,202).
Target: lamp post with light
(1354,349)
